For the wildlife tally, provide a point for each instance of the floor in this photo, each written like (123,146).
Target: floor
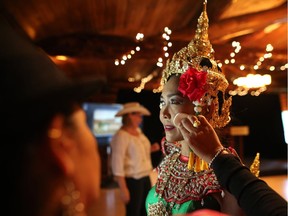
(110,203)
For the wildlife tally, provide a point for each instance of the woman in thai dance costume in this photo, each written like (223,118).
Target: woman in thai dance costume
(193,85)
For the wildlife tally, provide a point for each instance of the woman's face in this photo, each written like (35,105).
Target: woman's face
(136,118)
(171,103)
(133,119)
(86,158)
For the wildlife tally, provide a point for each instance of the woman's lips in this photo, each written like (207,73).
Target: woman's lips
(168,127)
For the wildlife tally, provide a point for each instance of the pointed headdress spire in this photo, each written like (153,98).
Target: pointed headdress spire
(199,55)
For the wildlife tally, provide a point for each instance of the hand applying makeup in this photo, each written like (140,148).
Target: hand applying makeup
(203,139)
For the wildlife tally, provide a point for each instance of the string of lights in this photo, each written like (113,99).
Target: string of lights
(128,55)
(252,82)
(166,45)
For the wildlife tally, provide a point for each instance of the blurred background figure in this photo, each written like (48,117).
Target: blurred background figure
(131,158)
(51,161)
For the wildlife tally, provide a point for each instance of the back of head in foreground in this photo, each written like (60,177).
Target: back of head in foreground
(50,158)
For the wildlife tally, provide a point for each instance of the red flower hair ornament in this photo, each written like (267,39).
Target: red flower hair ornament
(192,84)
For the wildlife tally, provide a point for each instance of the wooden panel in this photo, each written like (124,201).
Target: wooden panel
(93,33)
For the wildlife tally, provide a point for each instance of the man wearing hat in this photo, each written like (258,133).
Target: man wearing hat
(131,158)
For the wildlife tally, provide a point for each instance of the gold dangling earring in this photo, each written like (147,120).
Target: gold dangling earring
(72,206)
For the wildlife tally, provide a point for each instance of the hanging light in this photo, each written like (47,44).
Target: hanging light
(255,83)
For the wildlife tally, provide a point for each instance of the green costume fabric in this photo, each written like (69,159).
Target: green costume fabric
(186,207)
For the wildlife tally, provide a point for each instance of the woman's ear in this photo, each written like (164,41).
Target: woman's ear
(60,146)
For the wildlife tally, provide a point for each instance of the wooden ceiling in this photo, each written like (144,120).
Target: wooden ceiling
(93,33)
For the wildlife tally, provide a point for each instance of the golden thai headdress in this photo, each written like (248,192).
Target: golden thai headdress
(199,55)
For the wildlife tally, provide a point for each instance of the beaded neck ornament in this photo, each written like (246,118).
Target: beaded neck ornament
(197,68)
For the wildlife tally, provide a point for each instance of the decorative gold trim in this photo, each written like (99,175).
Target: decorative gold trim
(255,166)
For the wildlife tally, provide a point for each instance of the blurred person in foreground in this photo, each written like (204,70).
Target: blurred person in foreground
(51,163)
(131,158)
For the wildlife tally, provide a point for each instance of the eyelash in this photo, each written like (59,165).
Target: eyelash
(172,101)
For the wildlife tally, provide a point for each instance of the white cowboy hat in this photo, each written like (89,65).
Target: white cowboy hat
(133,107)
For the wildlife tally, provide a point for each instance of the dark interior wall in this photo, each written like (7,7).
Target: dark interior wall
(262,114)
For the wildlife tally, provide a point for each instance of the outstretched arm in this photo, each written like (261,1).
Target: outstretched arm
(254,196)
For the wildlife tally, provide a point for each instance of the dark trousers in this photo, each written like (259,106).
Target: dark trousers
(138,189)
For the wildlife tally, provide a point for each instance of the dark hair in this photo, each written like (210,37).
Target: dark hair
(206,62)
(30,121)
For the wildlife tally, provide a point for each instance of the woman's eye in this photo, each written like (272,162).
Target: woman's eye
(161,104)
(176,101)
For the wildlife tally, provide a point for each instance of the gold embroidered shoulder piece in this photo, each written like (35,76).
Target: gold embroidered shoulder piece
(177,184)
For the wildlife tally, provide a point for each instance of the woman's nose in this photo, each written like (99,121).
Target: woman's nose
(165,113)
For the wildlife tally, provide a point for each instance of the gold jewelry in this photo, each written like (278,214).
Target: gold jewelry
(196,123)
(255,166)
(216,155)
(196,164)
(72,205)
(191,160)
(199,55)
(174,178)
